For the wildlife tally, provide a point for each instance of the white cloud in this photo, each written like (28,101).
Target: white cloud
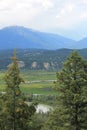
(13,3)
(64,17)
(65,10)
(71,13)
(84,1)
(83,15)
(22,12)
(5,5)
(43,14)
(47,4)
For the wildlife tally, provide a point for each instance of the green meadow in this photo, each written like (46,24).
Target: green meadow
(38,75)
(36,82)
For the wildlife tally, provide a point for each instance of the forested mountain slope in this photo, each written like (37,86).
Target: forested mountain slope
(36,59)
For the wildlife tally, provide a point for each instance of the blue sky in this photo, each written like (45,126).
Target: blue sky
(65,17)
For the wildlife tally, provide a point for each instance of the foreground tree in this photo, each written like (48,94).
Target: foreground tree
(71,85)
(17,113)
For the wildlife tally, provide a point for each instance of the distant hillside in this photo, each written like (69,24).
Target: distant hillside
(35,59)
(24,38)
(82,43)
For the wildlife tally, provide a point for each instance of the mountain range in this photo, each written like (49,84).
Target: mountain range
(23,38)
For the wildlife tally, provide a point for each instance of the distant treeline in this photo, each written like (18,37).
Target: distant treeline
(35,59)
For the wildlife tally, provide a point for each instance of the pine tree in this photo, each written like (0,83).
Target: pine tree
(71,84)
(17,112)
(1,112)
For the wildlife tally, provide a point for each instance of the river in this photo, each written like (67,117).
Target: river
(42,108)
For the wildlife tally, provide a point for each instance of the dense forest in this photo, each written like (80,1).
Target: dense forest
(17,112)
(35,59)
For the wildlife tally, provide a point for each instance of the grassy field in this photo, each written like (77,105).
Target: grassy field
(38,75)
(36,82)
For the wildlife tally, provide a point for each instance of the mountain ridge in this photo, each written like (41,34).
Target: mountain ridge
(24,38)
(21,37)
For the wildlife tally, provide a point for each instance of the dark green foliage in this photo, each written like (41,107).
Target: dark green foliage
(71,85)
(56,121)
(16,113)
(38,121)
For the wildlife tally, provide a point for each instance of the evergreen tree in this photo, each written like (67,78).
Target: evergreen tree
(17,112)
(55,121)
(71,85)
(2,116)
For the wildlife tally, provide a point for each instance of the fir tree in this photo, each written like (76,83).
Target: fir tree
(71,84)
(17,112)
